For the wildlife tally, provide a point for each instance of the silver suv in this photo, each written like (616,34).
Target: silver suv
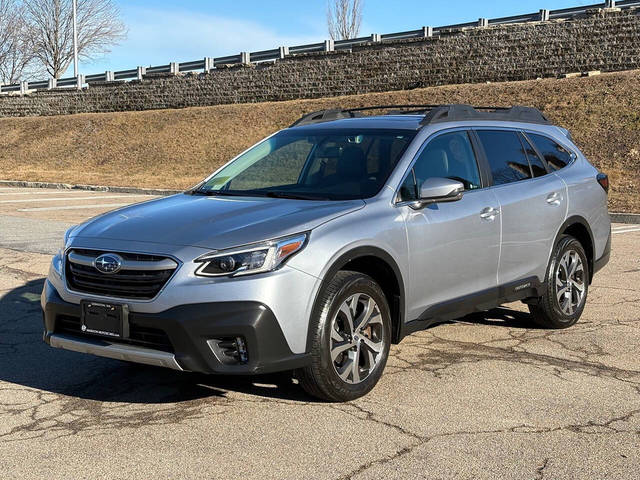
(319,247)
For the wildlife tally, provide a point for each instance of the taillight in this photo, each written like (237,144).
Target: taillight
(603,180)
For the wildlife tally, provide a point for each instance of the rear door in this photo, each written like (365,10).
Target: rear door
(532,202)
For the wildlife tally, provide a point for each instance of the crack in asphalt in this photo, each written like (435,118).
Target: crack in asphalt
(440,354)
(437,356)
(105,398)
(21,274)
(56,415)
(541,468)
(518,429)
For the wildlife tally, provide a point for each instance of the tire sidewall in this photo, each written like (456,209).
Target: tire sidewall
(565,244)
(358,284)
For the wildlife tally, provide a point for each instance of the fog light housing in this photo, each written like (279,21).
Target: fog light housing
(230,350)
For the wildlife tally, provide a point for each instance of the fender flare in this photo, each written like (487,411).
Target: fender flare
(572,220)
(338,264)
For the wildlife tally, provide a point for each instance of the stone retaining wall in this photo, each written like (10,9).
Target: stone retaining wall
(602,40)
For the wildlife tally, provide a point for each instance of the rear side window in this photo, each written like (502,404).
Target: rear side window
(506,156)
(537,166)
(557,157)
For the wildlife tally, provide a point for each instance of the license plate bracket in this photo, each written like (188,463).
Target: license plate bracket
(104,319)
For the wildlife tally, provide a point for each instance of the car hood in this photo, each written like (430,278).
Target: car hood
(213,222)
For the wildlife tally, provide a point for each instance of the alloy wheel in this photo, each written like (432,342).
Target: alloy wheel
(357,338)
(570,282)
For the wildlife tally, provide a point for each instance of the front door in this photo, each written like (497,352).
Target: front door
(453,247)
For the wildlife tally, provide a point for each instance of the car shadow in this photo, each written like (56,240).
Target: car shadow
(26,360)
(501,317)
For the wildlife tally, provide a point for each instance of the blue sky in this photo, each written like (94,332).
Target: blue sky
(162,31)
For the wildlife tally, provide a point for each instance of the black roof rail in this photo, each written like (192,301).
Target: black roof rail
(461,112)
(339,113)
(322,116)
(433,113)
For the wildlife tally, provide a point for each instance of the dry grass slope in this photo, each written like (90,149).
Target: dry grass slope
(176,148)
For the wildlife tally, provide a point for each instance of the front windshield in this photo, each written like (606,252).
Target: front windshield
(313,164)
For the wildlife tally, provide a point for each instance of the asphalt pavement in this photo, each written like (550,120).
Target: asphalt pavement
(487,396)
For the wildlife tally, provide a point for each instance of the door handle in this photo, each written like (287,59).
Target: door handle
(553,199)
(489,213)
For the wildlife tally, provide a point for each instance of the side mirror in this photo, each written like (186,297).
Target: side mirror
(437,189)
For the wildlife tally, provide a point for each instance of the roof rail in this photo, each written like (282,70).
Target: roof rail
(432,113)
(322,116)
(338,113)
(458,113)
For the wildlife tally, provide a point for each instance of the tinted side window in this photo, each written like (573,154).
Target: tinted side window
(506,156)
(537,166)
(408,189)
(449,155)
(555,155)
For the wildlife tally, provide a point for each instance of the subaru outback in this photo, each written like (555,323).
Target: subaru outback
(319,247)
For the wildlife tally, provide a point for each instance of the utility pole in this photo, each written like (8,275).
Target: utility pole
(75,40)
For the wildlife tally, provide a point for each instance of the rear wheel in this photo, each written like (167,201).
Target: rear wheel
(567,285)
(351,339)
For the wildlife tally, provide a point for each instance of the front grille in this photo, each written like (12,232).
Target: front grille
(139,335)
(141,276)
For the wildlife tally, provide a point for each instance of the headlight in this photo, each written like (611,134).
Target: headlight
(67,234)
(57,261)
(256,258)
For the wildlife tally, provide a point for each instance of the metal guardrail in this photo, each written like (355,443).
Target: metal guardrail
(279,53)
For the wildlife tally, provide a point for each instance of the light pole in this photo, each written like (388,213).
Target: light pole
(75,40)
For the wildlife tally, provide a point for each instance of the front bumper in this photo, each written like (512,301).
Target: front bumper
(186,336)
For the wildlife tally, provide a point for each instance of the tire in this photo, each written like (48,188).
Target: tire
(361,352)
(563,301)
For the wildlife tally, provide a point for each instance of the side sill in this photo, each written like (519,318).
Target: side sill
(528,288)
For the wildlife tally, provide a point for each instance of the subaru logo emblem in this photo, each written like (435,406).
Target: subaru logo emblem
(108,263)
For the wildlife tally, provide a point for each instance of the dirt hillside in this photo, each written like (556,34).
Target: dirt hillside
(176,148)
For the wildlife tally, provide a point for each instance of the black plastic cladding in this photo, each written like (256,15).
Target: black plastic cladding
(433,114)
(459,113)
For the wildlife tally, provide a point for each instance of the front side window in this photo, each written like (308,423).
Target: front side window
(449,155)
(313,164)
(557,157)
(506,156)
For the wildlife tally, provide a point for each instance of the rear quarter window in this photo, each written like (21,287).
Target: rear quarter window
(537,167)
(556,155)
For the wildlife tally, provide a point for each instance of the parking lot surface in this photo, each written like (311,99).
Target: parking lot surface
(487,396)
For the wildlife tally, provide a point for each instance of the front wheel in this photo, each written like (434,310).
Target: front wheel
(351,339)
(566,287)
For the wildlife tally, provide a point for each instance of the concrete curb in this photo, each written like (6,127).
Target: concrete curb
(615,217)
(625,217)
(95,188)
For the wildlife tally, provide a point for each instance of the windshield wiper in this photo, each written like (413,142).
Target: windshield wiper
(257,193)
(225,193)
(295,196)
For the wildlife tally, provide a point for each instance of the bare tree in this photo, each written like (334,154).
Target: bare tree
(51,23)
(16,46)
(344,18)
